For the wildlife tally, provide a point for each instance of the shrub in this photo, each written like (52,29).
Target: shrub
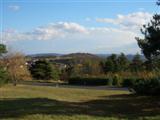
(110,81)
(117,80)
(147,87)
(91,81)
(128,82)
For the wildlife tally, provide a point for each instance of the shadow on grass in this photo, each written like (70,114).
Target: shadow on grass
(119,106)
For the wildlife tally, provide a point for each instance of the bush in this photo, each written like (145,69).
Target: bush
(128,82)
(90,81)
(147,87)
(117,80)
(3,76)
(110,82)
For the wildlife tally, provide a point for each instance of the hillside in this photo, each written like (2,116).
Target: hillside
(78,55)
(81,56)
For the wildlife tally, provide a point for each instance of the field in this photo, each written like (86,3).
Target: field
(25,102)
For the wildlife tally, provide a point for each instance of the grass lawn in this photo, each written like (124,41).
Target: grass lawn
(25,102)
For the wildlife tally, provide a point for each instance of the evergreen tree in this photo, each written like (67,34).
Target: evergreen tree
(123,62)
(136,64)
(150,45)
(42,69)
(3,49)
(3,73)
(111,64)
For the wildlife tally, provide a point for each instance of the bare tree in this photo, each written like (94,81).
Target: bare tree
(17,67)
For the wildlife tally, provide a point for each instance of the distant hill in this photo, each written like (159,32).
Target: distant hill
(59,57)
(79,58)
(45,55)
(73,58)
(82,55)
(129,56)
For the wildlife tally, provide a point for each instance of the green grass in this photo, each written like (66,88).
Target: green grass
(49,103)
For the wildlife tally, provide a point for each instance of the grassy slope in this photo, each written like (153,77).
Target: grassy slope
(47,103)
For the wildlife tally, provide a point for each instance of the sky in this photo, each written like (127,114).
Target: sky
(69,26)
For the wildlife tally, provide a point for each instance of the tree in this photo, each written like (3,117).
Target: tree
(111,64)
(123,62)
(44,70)
(150,45)
(3,76)
(136,64)
(90,67)
(17,67)
(3,73)
(3,49)
(67,72)
(56,73)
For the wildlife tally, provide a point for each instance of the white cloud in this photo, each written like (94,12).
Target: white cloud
(70,33)
(14,7)
(51,31)
(131,21)
(111,37)
(131,48)
(70,30)
(69,27)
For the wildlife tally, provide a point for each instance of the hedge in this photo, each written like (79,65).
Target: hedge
(128,82)
(147,87)
(89,81)
(139,86)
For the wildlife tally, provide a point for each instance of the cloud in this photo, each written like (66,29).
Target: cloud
(70,30)
(131,21)
(74,36)
(69,27)
(112,37)
(127,48)
(14,7)
(48,32)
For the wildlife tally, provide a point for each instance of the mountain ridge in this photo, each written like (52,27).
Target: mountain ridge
(79,55)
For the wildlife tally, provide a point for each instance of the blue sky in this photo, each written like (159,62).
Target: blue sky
(67,26)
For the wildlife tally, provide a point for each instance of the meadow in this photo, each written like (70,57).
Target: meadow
(27,102)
